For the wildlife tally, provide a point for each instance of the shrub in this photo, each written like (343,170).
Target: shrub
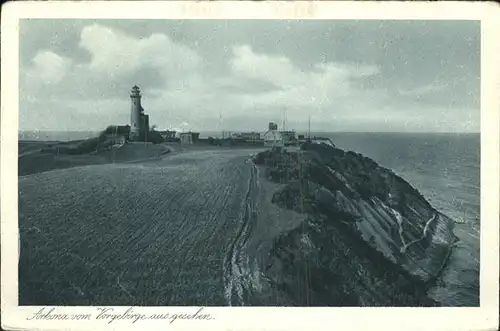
(102,136)
(88,145)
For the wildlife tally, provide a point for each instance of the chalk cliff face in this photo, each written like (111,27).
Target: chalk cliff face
(369,238)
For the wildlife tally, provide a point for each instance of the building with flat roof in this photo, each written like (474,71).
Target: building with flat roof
(289,137)
(247,136)
(273,138)
(168,134)
(188,138)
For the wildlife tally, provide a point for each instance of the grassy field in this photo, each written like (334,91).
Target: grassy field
(149,233)
(32,160)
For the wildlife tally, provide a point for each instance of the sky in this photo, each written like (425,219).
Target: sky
(211,75)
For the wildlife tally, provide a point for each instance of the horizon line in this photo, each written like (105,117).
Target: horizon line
(236,130)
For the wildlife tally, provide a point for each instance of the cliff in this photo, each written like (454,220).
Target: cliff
(368,237)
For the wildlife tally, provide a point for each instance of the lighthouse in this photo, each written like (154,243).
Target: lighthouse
(139,122)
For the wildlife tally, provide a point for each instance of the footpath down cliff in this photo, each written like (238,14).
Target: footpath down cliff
(368,237)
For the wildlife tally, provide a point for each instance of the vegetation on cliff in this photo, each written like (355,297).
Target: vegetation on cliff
(367,240)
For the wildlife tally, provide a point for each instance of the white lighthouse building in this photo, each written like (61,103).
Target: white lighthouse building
(273,138)
(139,122)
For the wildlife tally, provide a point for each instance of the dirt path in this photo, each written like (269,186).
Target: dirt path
(405,245)
(237,270)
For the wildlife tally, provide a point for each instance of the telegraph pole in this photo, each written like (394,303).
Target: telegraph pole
(116,135)
(283,125)
(309,129)
(145,132)
(286,118)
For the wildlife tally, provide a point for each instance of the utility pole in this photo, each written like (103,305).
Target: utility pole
(286,118)
(309,129)
(283,119)
(116,136)
(220,121)
(145,132)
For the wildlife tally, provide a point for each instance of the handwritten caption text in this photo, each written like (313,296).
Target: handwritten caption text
(110,315)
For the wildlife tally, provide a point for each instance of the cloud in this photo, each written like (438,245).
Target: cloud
(313,91)
(214,84)
(48,67)
(99,87)
(116,63)
(282,73)
(277,70)
(113,53)
(422,90)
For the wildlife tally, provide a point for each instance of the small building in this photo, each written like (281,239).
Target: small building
(289,137)
(168,134)
(247,136)
(144,122)
(189,137)
(118,129)
(115,139)
(117,134)
(273,138)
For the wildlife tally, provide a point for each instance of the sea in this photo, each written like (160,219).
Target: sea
(444,167)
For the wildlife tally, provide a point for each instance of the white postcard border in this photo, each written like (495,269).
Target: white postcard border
(269,318)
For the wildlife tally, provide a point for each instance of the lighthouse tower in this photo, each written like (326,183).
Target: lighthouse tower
(135,113)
